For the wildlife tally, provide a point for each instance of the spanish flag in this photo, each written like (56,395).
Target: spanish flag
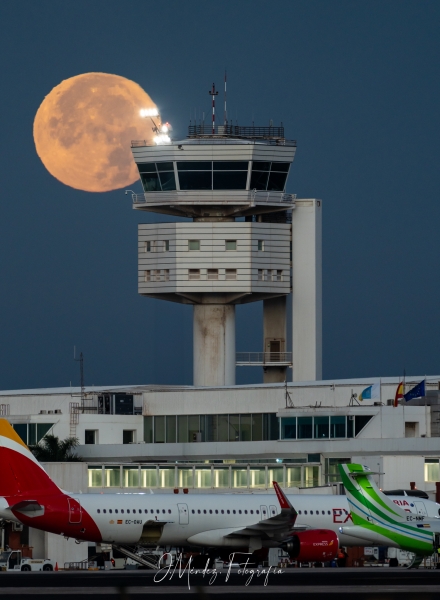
(399,394)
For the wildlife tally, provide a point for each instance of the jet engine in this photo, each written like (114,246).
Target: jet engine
(313,545)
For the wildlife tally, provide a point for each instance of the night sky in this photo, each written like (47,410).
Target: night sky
(355,83)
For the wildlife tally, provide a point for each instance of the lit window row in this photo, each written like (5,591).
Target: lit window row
(157,275)
(270,275)
(235,476)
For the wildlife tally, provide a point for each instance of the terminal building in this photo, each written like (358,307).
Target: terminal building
(245,240)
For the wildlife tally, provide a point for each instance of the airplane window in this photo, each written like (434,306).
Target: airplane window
(163,510)
(222,511)
(233,512)
(128,511)
(145,511)
(198,511)
(216,511)
(104,510)
(116,510)
(152,511)
(110,511)
(122,510)
(328,512)
(305,512)
(299,512)
(193,511)
(140,511)
(169,511)
(210,512)
(99,510)
(439,511)
(323,512)
(311,512)
(257,512)
(204,511)
(252,512)
(158,511)
(228,511)
(239,512)
(245,512)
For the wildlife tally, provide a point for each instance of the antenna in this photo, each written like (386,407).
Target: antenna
(225,118)
(81,373)
(213,93)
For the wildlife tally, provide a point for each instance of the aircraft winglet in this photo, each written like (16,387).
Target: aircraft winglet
(285,504)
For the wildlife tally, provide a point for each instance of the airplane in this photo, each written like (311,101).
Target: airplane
(309,533)
(379,519)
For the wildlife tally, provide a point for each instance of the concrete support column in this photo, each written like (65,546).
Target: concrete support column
(274,336)
(214,344)
(307,290)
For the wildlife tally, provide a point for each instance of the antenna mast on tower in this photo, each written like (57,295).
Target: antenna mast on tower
(213,93)
(225,118)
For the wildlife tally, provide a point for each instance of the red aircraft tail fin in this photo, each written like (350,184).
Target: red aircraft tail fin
(20,472)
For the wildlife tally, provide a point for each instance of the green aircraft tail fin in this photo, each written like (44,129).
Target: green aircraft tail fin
(373,510)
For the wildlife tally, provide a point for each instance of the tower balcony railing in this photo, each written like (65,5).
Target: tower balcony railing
(215,197)
(254,359)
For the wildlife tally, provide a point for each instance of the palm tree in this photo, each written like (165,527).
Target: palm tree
(52,449)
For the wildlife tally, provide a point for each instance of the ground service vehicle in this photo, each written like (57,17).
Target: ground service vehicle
(12,560)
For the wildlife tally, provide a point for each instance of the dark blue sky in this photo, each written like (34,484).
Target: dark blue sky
(356,83)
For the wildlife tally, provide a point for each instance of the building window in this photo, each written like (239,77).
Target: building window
(166,274)
(147,247)
(147,275)
(193,274)
(166,245)
(128,436)
(231,245)
(90,436)
(260,275)
(212,273)
(231,273)
(432,470)
(269,176)
(279,275)
(261,245)
(193,244)
(156,273)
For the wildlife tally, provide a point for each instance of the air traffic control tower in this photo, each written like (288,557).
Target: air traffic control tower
(247,241)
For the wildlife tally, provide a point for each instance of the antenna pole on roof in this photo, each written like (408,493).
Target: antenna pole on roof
(225,119)
(213,93)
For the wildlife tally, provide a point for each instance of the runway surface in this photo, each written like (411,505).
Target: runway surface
(300,584)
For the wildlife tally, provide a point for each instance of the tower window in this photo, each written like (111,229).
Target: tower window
(147,247)
(166,274)
(193,244)
(193,273)
(261,245)
(166,245)
(231,273)
(212,273)
(147,275)
(260,275)
(279,275)
(231,245)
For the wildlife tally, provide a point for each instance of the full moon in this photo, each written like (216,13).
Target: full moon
(83,130)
